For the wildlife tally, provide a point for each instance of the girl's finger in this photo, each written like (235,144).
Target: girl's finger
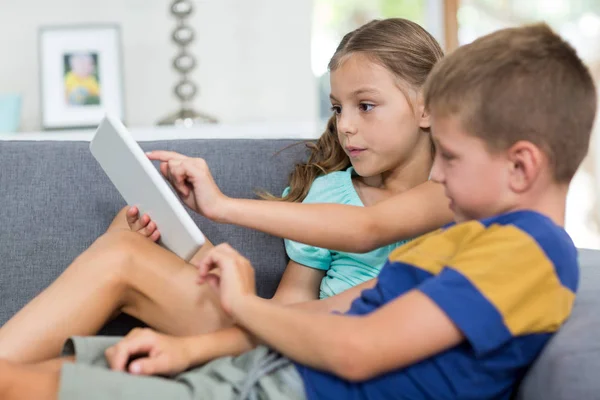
(164,169)
(163,155)
(213,280)
(179,174)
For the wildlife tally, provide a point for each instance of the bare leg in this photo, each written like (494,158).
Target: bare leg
(122,271)
(27,382)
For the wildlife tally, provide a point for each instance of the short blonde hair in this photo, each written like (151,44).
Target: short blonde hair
(519,84)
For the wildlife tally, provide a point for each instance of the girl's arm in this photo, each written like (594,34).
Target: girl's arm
(298,284)
(332,226)
(343,227)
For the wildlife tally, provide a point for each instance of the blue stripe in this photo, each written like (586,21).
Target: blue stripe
(478,319)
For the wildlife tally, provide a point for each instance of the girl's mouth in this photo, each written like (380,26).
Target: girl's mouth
(354,151)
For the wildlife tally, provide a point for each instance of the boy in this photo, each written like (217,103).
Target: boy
(458,313)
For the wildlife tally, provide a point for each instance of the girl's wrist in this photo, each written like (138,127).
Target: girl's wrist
(224,209)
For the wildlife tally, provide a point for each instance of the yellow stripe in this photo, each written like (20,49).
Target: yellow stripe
(510,269)
(433,251)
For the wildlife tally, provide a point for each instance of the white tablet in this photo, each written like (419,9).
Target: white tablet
(140,184)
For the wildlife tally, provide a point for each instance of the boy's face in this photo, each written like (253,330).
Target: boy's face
(475,180)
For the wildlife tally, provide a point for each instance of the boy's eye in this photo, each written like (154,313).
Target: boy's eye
(446,156)
(366,107)
(336,109)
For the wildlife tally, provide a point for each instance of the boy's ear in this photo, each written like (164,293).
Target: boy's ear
(422,113)
(526,161)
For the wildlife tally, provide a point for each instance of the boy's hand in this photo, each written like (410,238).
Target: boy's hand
(231,273)
(154,353)
(144,225)
(192,179)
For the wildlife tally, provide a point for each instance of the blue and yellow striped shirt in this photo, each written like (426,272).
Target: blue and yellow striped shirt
(507,282)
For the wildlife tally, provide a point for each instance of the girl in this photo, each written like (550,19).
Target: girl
(376,146)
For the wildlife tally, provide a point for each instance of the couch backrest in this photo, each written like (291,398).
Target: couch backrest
(568,366)
(55,201)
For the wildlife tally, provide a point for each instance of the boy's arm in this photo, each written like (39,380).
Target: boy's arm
(406,330)
(235,340)
(343,227)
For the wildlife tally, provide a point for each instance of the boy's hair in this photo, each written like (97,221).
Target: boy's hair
(519,84)
(401,46)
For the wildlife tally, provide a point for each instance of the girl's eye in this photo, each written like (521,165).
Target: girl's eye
(366,107)
(336,109)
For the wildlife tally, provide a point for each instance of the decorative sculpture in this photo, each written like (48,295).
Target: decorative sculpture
(184,62)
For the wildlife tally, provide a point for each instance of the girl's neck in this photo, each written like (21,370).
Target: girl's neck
(414,171)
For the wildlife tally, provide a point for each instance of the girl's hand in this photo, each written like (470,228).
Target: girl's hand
(193,181)
(144,225)
(155,353)
(230,273)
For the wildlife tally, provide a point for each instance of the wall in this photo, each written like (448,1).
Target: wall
(254,56)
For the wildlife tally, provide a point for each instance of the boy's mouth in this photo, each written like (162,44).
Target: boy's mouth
(451,205)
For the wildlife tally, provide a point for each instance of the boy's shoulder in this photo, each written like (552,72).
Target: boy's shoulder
(523,241)
(518,271)
(520,242)
(536,229)
(521,226)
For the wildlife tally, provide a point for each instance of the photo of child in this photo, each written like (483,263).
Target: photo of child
(81,79)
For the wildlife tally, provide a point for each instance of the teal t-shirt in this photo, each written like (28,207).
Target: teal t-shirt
(344,270)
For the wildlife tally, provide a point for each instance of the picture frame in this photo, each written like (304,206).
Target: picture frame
(81,75)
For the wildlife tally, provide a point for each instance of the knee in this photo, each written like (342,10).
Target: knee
(121,247)
(115,252)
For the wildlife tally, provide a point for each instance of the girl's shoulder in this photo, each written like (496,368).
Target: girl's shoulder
(335,187)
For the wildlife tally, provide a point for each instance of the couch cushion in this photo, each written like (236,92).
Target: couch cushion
(55,201)
(568,367)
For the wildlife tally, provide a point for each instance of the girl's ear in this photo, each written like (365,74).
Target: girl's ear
(422,114)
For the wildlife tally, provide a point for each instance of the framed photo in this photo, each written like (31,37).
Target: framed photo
(81,75)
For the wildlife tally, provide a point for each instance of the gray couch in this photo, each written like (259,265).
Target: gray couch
(55,200)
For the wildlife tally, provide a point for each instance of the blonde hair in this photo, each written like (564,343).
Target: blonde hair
(518,84)
(401,46)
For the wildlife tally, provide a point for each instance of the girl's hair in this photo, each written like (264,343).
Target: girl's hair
(401,46)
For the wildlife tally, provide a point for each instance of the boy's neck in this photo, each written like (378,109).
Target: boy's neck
(550,201)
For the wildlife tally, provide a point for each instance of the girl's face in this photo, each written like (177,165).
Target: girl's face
(377,126)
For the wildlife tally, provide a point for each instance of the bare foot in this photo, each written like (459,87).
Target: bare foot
(142,225)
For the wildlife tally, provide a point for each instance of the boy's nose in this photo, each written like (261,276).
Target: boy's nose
(436,174)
